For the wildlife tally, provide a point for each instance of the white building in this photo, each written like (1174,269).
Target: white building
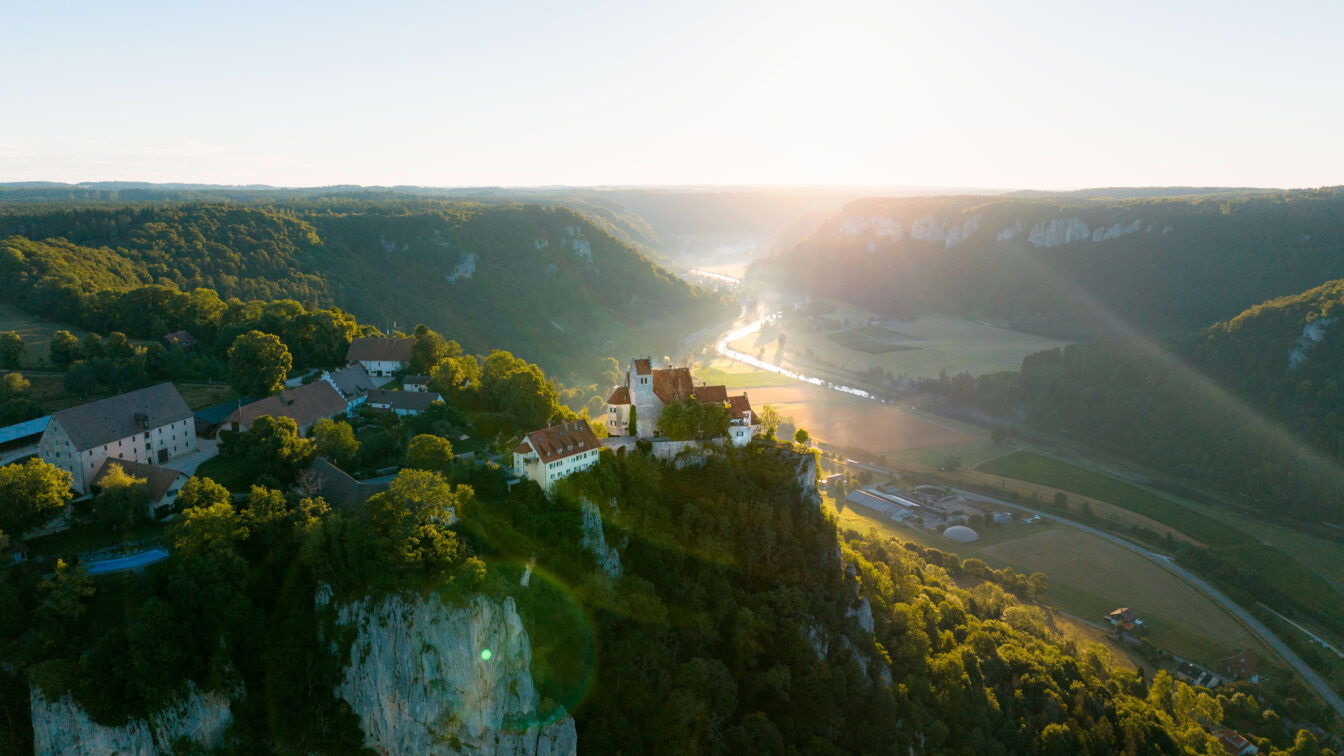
(549,454)
(381,356)
(150,426)
(647,390)
(353,382)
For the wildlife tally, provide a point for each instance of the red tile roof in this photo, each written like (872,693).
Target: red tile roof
(619,395)
(563,440)
(741,406)
(1243,665)
(711,394)
(1232,741)
(672,384)
(642,366)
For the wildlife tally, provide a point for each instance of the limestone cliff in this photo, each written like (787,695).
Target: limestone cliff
(63,727)
(425,677)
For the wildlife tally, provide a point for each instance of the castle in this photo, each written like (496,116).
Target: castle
(640,400)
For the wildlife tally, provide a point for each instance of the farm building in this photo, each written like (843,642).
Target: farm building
(961,534)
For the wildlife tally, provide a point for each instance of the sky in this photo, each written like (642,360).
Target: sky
(993,94)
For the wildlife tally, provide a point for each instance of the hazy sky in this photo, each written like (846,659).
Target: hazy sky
(501,92)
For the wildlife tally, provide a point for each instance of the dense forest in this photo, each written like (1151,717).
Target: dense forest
(1073,265)
(740,621)
(555,285)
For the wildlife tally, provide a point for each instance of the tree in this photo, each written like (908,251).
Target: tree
(769,419)
(93,347)
(457,378)
(258,363)
(31,494)
(430,349)
(690,419)
(429,452)
(802,436)
(209,531)
(201,492)
(634,420)
(119,347)
(13,386)
(12,349)
(123,500)
(335,440)
(1060,501)
(64,349)
(272,446)
(413,520)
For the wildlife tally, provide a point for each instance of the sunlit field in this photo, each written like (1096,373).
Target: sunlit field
(919,348)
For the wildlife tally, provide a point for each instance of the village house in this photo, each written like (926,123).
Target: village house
(353,382)
(647,390)
(305,405)
(161,484)
(549,454)
(415,383)
(1242,666)
(381,356)
(402,402)
(180,338)
(150,426)
(1235,743)
(1126,620)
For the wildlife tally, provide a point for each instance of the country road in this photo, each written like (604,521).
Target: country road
(1256,627)
(1246,618)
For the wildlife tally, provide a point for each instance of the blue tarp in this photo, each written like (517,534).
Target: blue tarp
(26,428)
(131,562)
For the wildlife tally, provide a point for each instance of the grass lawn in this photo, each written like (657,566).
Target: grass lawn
(865,343)
(226,471)
(714,376)
(932,344)
(1035,468)
(88,537)
(36,333)
(201,395)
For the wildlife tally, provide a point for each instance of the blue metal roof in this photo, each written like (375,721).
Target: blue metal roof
(216,414)
(26,428)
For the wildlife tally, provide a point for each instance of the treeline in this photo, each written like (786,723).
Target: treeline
(1173,264)
(739,623)
(546,282)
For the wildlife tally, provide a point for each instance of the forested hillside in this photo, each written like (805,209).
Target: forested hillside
(1252,406)
(713,608)
(1073,265)
(546,282)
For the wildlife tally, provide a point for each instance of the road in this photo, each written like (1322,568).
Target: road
(1246,618)
(1242,615)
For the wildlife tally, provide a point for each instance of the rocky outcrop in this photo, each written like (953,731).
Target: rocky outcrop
(63,727)
(595,541)
(426,677)
(1312,333)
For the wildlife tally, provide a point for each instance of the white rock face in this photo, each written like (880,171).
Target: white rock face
(881,226)
(959,234)
(575,240)
(1058,232)
(863,615)
(596,542)
(1010,232)
(466,267)
(419,683)
(63,727)
(929,228)
(1116,231)
(1312,333)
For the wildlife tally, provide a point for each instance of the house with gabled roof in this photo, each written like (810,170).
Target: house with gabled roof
(353,382)
(150,426)
(647,390)
(305,405)
(161,484)
(549,454)
(402,402)
(381,356)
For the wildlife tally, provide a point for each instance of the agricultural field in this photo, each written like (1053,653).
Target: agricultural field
(920,348)
(1089,576)
(855,423)
(1047,471)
